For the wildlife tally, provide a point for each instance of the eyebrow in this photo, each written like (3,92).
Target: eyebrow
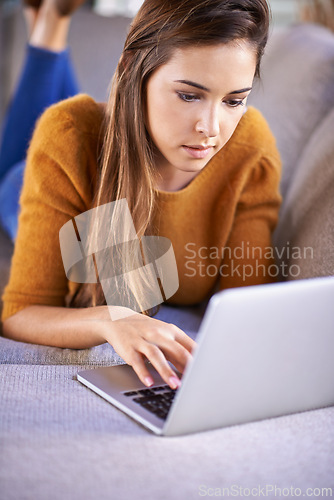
(201,87)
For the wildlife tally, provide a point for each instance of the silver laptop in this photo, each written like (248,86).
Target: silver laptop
(262,351)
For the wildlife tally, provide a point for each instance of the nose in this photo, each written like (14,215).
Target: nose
(208,122)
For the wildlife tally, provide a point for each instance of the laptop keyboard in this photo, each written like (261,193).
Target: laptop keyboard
(157,400)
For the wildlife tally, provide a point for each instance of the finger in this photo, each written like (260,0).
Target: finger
(179,366)
(137,362)
(158,360)
(167,337)
(176,332)
(173,351)
(184,339)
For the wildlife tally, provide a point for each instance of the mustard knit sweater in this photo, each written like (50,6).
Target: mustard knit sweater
(220,224)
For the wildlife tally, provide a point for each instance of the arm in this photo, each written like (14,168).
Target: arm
(134,337)
(57,187)
(249,255)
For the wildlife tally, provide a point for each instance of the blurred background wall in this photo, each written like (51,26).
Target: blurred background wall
(285,11)
(97,34)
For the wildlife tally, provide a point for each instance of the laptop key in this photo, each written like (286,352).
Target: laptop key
(144,399)
(130,393)
(156,400)
(161,414)
(146,392)
(169,395)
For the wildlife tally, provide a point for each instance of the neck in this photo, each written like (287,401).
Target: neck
(174,181)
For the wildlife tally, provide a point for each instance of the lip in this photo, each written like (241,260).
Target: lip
(198,151)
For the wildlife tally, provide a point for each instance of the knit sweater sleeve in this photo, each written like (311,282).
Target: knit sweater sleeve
(57,187)
(248,255)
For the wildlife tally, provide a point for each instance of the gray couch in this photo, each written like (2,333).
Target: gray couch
(59,440)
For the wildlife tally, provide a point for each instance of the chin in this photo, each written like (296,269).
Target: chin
(192,169)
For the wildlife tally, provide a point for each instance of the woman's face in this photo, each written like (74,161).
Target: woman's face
(194,104)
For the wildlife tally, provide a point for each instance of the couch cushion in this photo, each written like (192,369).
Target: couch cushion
(59,440)
(297,88)
(307,217)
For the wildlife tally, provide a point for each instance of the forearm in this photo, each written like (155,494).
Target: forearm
(135,337)
(58,326)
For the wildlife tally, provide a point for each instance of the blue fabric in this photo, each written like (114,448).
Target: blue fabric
(10,189)
(47,77)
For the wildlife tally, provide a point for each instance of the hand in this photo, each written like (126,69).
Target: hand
(138,337)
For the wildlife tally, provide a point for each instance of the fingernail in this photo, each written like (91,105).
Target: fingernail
(148,381)
(174,382)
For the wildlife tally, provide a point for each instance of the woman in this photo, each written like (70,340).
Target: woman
(177,143)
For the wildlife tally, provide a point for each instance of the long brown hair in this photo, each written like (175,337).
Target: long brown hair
(127,162)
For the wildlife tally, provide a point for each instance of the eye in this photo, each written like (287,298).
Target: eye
(234,103)
(188,97)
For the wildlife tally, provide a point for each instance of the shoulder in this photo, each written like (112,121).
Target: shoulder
(67,141)
(250,160)
(80,112)
(254,136)
(70,133)
(251,151)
